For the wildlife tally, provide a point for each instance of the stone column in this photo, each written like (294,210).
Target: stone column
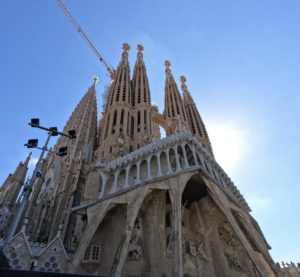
(114,187)
(127,176)
(138,169)
(178,167)
(132,212)
(186,163)
(194,154)
(168,161)
(158,164)
(104,181)
(149,168)
(175,196)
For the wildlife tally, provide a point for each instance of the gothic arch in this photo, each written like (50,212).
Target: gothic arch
(163,163)
(143,171)
(132,175)
(154,166)
(194,190)
(172,158)
(189,155)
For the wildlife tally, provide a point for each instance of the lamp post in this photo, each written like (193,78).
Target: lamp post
(33,143)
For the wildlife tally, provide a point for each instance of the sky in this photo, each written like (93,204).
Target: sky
(241,61)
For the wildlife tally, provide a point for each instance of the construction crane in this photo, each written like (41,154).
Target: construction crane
(109,68)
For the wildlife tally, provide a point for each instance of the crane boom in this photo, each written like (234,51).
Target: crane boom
(108,68)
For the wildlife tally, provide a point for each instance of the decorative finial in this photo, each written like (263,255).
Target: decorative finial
(126,47)
(168,70)
(140,47)
(95,79)
(183,85)
(167,64)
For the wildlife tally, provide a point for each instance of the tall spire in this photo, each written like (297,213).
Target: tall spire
(120,90)
(141,102)
(174,107)
(116,122)
(62,176)
(11,187)
(195,121)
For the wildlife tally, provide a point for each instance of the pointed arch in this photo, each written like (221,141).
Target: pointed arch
(189,155)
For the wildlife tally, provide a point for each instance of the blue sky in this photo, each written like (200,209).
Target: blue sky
(241,60)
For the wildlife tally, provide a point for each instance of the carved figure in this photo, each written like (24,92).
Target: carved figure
(135,249)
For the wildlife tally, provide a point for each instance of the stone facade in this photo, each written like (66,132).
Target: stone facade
(125,202)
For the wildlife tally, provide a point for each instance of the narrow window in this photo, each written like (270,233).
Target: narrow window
(139,118)
(122,117)
(107,126)
(115,118)
(132,126)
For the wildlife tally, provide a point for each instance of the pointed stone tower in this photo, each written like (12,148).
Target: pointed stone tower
(174,107)
(64,178)
(9,193)
(11,187)
(195,121)
(118,121)
(141,102)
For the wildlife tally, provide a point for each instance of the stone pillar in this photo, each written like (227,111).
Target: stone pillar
(138,169)
(127,176)
(194,154)
(132,212)
(158,164)
(104,181)
(175,196)
(178,167)
(114,187)
(186,163)
(149,168)
(168,161)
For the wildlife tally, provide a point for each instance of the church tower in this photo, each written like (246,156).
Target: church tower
(141,102)
(195,121)
(11,187)
(64,178)
(118,122)
(9,193)
(174,107)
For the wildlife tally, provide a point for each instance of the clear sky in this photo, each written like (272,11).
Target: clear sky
(241,60)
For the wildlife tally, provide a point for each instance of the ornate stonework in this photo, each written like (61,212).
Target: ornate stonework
(125,202)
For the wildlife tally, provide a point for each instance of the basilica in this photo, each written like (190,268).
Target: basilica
(126,202)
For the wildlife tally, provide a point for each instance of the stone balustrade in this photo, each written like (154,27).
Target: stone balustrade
(172,155)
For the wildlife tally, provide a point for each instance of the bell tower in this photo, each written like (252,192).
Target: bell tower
(174,107)
(195,121)
(141,102)
(117,122)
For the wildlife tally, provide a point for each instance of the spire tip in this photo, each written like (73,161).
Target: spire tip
(183,85)
(126,47)
(167,64)
(95,80)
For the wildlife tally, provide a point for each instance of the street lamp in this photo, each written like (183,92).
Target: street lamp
(33,143)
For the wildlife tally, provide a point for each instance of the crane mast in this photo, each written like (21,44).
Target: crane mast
(108,67)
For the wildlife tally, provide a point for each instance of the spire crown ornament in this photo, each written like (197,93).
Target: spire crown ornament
(183,83)
(140,49)
(126,49)
(168,65)
(95,80)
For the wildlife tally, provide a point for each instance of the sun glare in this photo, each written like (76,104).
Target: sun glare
(227,142)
